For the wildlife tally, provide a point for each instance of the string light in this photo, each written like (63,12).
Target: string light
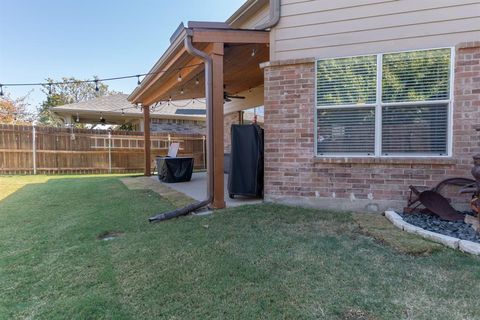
(254,51)
(50,89)
(179,78)
(197,82)
(78,118)
(96,86)
(95,80)
(138,80)
(123,112)
(101,116)
(181,91)
(1,90)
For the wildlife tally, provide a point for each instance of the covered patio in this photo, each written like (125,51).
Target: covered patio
(195,189)
(212,61)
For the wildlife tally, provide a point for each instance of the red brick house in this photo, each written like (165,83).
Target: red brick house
(361,98)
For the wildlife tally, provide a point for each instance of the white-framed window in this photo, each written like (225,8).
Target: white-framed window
(385,105)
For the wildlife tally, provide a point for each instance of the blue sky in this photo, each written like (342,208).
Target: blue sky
(55,38)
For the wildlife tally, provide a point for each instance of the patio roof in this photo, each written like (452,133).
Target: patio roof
(233,57)
(244,50)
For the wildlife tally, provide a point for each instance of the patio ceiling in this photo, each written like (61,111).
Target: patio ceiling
(244,50)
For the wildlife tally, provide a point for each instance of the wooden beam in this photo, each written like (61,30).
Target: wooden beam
(146,134)
(155,78)
(230,36)
(218,174)
(168,84)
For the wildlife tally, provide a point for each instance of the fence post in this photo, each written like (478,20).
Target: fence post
(203,152)
(109,152)
(34,149)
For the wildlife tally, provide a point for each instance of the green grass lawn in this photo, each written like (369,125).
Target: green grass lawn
(253,262)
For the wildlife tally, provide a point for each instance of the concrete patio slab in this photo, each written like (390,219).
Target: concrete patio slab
(197,189)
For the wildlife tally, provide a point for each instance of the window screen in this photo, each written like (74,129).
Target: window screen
(346,130)
(413,104)
(416,76)
(346,81)
(415,129)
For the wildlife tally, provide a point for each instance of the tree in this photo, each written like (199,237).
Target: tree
(69,90)
(14,111)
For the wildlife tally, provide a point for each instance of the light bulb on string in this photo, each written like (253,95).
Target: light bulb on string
(123,112)
(1,90)
(197,82)
(101,116)
(78,118)
(181,91)
(179,78)
(50,89)
(138,80)
(96,86)
(254,51)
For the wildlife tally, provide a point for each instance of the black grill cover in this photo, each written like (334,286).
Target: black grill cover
(174,169)
(246,161)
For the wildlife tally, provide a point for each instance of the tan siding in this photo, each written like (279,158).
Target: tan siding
(319,28)
(258,18)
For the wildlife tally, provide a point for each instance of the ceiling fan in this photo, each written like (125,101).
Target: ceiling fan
(228,97)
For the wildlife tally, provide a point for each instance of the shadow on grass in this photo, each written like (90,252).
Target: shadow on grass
(250,262)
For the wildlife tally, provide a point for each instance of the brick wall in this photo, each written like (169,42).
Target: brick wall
(228,120)
(294,175)
(175,126)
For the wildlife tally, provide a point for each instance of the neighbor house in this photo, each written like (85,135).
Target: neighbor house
(362,98)
(176,117)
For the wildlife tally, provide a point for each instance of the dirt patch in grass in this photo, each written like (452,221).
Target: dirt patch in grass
(379,228)
(177,199)
(109,235)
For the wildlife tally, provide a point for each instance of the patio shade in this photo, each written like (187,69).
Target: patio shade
(236,55)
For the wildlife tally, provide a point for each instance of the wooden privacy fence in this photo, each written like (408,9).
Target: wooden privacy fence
(32,150)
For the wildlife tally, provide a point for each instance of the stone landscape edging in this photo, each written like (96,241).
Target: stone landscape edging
(454,243)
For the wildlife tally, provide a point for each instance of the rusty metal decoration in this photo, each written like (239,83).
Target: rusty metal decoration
(415,191)
(439,205)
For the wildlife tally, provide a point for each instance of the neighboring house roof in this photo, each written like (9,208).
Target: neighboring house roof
(117,103)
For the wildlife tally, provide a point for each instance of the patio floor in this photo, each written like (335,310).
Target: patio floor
(197,189)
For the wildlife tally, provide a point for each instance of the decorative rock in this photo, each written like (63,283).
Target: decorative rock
(456,229)
(411,228)
(452,242)
(437,237)
(469,247)
(392,215)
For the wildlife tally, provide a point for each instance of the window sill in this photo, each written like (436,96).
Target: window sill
(372,160)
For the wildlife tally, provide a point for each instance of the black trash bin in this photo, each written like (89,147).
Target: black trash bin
(171,170)
(246,161)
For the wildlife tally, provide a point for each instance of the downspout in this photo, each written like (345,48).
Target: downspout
(208,97)
(274,16)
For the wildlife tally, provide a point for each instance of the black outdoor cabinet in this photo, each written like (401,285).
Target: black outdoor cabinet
(172,170)
(246,161)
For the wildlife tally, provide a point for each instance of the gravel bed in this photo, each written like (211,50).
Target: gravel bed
(460,230)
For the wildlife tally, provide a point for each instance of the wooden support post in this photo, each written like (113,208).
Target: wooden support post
(146,133)
(218,183)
